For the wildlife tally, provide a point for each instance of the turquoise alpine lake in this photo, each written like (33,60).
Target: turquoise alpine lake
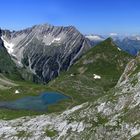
(34,103)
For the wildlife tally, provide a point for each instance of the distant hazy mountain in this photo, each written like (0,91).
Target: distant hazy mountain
(45,50)
(95,39)
(130,44)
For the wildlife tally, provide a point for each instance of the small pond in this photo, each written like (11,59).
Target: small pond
(34,103)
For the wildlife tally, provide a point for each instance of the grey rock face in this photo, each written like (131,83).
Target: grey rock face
(45,50)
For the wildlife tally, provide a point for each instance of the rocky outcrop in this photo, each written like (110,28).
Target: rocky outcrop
(45,50)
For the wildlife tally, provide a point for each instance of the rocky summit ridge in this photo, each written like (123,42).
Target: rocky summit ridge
(45,50)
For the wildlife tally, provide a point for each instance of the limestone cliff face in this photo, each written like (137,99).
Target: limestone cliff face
(45,49)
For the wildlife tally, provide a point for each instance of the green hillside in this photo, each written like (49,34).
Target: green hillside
(105,60)
(81,82)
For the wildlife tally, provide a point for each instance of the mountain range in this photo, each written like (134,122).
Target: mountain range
(130,44)
(45,50)
(99,75)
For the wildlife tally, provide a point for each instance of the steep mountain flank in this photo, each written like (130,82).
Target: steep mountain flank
(7,66)
(45,50)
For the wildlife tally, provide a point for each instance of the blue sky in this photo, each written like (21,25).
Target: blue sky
(89,16)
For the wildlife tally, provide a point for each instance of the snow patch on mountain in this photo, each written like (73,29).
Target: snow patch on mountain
(119,49)
(96,76)
(8,46)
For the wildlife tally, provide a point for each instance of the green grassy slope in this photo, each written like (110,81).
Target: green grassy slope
(105,60)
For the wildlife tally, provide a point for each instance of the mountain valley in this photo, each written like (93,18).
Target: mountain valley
(101,81)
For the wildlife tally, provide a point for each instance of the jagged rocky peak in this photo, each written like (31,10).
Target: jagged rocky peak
(45,49)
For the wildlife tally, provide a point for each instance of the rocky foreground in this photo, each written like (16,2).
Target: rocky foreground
(114,116)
